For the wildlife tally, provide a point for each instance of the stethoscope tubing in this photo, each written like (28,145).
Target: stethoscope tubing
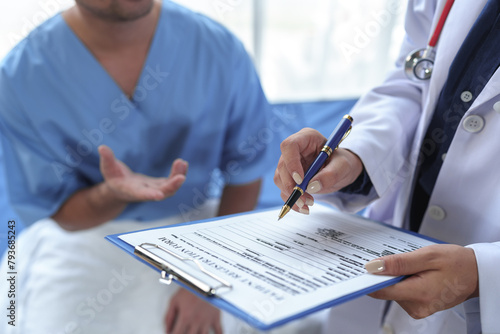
(424,58)
(442,19)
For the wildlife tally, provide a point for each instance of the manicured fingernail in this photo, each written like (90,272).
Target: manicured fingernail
(309,202)
(296,177)
(304,210)
(313,187)
(299,203)
(375,266)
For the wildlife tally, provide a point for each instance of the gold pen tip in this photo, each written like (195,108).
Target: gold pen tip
(284,211)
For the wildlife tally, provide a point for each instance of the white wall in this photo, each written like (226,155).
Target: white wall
(17,18)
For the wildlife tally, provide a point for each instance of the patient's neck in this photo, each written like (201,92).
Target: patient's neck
(102,34)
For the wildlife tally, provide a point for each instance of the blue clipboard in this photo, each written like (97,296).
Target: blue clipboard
(170,273)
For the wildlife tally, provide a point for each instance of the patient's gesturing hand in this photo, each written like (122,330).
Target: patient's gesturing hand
(189,314)
(135,187)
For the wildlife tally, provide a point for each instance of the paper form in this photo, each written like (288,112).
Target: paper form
(278,269)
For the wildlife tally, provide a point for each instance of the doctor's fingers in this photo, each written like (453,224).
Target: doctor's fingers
(422,295)
(444,257)
(285,182)
(340,170)
(298,152)
(283,179)
(415,289)
(420,311)
(444,268)
(303,203)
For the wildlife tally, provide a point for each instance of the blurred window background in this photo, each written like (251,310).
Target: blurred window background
(304,50)
(315,57)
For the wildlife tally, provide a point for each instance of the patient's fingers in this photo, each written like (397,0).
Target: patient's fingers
(179,166)
(108,163)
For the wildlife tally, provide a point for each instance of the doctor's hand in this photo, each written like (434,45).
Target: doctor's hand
(441,276)
(298,152)
(190,314)
(128,186)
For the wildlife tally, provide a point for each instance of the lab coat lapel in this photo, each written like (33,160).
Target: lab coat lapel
(462,16)
(490,91)
(460,20)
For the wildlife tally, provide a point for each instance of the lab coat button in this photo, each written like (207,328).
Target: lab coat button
(387,329)
(473,123)
(496,107)
(466,96)
(436,213)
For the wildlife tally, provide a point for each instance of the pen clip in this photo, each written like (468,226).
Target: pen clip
(344,137)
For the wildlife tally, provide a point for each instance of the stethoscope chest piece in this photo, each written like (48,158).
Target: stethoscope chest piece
(419,64)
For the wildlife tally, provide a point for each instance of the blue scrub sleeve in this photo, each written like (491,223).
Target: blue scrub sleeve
(34,188)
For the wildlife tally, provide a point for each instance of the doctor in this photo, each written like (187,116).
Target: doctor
(423,155)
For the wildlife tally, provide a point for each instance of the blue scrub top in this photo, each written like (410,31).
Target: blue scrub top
(198,99)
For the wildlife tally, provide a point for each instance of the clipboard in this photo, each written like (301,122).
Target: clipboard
(218,289)
(170,272)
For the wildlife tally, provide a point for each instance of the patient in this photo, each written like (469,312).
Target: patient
(116,115)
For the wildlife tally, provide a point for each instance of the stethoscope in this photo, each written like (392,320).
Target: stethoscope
(419,63)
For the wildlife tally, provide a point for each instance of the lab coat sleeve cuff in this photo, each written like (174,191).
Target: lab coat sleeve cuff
(352,203)
(488,259)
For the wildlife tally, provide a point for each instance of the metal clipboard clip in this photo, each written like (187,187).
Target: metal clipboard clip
(170,272)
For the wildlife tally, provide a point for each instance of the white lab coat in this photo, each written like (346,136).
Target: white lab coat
(389,127)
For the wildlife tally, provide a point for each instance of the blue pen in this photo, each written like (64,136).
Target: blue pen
(340,132)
